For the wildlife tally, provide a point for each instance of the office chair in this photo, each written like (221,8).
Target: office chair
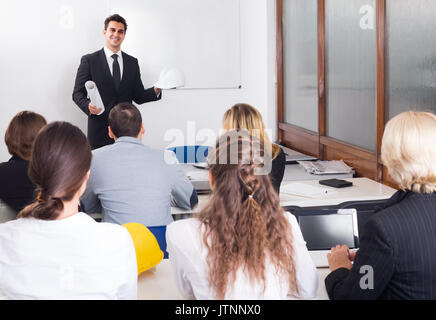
(190,154)
(159,233)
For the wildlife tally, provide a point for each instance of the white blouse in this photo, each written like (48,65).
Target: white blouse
(72,258)
(187,254)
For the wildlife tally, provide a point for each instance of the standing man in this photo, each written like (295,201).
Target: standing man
(117,77)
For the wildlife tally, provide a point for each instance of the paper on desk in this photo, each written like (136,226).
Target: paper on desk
(292,155)
(326,167)
(306,190)
(94,95)
(198,175)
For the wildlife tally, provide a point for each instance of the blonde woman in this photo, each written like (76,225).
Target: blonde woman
(244,116)
(397,255)
(242,245)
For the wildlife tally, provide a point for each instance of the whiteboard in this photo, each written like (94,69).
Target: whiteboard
(43,42)
(201,37)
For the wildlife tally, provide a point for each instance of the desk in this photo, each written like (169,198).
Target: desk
(159,283)
(362,189)
(293,172)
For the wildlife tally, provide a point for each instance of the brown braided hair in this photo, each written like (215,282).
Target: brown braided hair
(243,220)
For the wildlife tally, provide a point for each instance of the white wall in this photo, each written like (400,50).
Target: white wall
(203,106)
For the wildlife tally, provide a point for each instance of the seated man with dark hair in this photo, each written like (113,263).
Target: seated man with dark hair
(130,182)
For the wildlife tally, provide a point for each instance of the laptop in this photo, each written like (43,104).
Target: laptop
(324,229)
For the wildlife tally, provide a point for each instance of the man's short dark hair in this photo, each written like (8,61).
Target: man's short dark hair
(116,18)
(125,120)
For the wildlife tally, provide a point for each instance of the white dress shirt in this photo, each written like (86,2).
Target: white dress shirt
(188,255)
(110,60)
(72,258)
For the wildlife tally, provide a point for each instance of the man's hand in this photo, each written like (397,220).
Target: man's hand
(339,258)
(157,90)
(93,109)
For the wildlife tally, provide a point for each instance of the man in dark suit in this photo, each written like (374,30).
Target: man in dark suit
(117,77)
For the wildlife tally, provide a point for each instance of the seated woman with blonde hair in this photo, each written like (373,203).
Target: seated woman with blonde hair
(243,116)
(52,251)
(242,245)
(397,255)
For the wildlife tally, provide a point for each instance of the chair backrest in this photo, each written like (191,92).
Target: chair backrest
(159,232)
(190,154)
(365,209)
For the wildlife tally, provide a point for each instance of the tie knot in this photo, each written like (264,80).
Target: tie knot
(115,56)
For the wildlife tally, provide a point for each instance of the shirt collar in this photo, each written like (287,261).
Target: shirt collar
(129,140)
(109,53)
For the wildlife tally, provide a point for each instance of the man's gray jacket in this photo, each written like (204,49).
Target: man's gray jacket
(130,182)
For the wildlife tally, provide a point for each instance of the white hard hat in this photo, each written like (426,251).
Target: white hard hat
(170,78)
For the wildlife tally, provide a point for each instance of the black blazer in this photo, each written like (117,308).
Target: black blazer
(278,170)
(399,243)
(94,67)
(16,189)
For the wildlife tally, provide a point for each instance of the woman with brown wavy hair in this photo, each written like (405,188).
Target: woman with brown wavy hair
(52,251)
(242,245)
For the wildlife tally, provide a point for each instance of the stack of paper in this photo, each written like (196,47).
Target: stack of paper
(326,167)
(293,156)
(306,190)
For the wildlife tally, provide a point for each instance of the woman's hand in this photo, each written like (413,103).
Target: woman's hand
(340,258)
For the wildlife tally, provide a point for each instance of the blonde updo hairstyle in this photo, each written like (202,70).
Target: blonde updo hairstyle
(243,116)
(409,151)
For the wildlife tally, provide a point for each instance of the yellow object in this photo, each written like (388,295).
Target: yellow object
(148,252)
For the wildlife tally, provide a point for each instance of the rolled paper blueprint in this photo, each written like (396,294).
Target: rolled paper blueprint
(94,95)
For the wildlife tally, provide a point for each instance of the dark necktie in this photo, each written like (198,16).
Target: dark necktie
(116,73)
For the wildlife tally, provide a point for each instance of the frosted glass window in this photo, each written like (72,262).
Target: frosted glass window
(351,71)
(411,56)
(300,63)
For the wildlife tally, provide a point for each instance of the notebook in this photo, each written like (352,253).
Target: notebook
(324,229)
(306,190)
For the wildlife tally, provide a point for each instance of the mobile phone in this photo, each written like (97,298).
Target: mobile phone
(336,183)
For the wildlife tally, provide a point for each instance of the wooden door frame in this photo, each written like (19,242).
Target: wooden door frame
(366,163)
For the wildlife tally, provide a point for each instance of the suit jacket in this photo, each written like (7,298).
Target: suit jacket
(399,244)
(94,67)
(278,170)
(16,189)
